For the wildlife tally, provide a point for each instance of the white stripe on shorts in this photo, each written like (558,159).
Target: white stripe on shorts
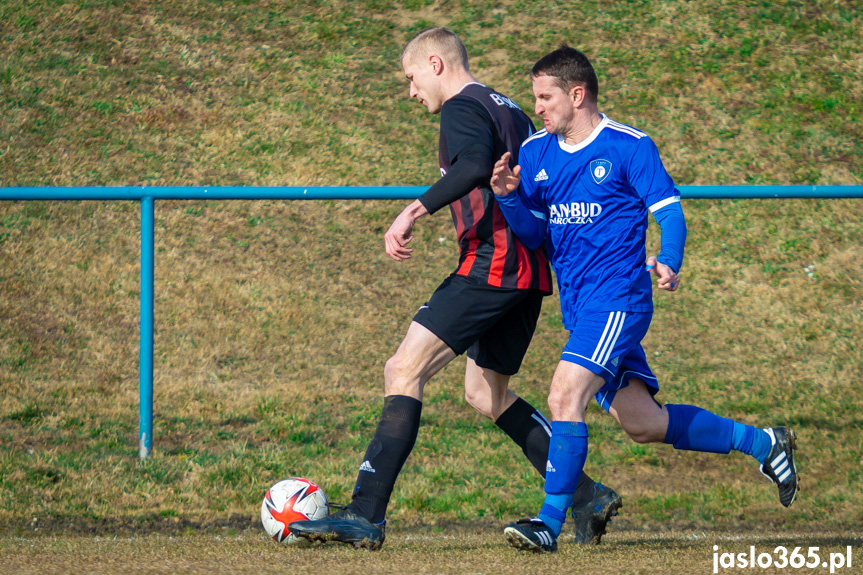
(588,359)
(609,337)
(602,338)
(604,359)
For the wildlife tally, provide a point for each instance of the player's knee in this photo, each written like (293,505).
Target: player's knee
(560,405)
(640,431)
(480,402)
(568,402)
(640,437)
(396,377)
(403,376)
(554,402)
(391,369)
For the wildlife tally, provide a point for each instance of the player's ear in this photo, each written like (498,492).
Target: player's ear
(436,63)
(577,94)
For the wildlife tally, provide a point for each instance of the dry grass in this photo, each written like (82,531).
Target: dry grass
(460,552)
(196,92)
(273,324)
(274,319)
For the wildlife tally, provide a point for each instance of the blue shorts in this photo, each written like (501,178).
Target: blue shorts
(609,345)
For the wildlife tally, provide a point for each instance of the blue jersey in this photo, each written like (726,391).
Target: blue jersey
(594,198)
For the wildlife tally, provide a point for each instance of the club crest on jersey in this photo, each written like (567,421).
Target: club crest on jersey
(599,170)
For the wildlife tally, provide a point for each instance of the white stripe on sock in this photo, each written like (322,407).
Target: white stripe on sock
(542,421)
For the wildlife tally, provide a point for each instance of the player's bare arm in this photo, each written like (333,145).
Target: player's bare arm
(503,180)
(667,278)
(401,232)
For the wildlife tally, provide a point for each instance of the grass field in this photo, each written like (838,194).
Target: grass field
(669,553)
(274,319)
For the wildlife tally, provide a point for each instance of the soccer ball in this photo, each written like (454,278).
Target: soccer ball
(294,499)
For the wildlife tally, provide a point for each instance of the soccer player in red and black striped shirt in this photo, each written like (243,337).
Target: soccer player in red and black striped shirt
(487,308)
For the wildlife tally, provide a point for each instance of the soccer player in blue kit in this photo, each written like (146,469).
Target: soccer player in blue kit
(583,187)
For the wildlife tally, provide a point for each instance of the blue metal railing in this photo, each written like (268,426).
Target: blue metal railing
(148,195)
(145,366)
(374,192)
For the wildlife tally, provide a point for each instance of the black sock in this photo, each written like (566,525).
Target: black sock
(389,449)
(531,431)
(584,491)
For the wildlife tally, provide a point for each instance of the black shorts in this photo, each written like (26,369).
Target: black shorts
(493,325)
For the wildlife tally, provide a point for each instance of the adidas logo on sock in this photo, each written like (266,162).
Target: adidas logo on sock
(541,176)
(549,468)
(367,467)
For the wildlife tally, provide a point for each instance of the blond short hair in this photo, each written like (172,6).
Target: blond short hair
(440,41)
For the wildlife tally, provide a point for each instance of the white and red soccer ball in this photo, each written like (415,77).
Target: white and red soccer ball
(294,499)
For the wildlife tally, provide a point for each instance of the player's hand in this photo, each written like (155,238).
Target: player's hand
(667,278)
(398,236)
(503,180)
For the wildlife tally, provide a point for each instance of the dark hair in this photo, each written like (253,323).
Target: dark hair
(569,68)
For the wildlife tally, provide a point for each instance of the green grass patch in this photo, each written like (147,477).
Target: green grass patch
(274,319)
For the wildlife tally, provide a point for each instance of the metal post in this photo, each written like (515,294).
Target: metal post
(145,437)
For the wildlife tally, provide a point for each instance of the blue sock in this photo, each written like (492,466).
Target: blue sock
(553,512)
(741,437)
(567,452)
(751,441)
(695,429)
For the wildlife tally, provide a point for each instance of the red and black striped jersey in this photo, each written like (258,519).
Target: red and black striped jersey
(489,251)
